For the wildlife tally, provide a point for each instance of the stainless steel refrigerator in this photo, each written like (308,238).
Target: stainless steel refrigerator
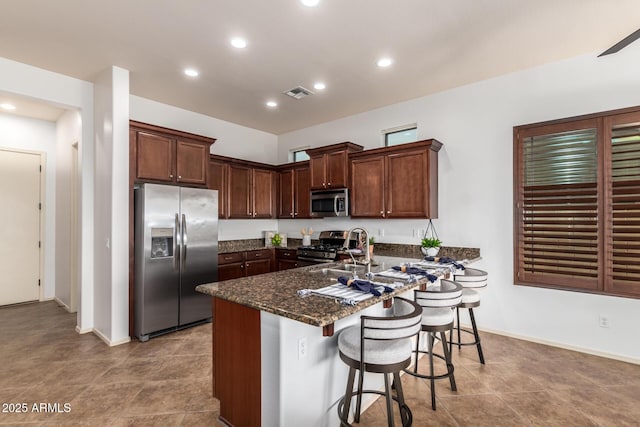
(176,249)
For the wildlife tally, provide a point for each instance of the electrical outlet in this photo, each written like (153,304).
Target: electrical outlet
(603,321)
(381,232)
(302,348)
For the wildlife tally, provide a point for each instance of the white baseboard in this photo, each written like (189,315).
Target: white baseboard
(108,341)
(83,331)
(561,345)
(62,304)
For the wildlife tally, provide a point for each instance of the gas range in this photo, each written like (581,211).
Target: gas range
(331,244)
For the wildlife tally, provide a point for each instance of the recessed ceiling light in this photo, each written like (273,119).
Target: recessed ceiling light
(191,72)
(272,104)
(310,3)
(319,86)
(239,43)
(384,62)
(7,106)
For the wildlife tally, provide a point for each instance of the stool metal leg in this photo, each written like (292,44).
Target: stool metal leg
(432,379)
(458,327)
(405,415)
(347,397)
(389,399)
(447,358)
(356,417)
(476,335)
(415,365)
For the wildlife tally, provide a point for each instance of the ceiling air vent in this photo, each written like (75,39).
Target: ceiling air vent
(298,92)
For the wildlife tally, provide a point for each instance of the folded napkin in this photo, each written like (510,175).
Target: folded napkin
(363,285)
(445,260)
(416,271)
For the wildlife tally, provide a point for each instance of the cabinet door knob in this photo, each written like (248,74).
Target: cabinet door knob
(329,184)
(171,175)
(388,212)
(179,176)
(295,214)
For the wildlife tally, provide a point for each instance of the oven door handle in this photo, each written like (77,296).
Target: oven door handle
(335,204)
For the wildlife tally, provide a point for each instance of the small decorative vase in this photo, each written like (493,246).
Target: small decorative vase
(306,240)
(429,251)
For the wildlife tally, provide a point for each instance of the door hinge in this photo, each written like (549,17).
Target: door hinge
(40,168)
(39,244)
(38,282)
(40,206)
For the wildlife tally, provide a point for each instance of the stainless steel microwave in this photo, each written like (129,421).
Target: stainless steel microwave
(329,203)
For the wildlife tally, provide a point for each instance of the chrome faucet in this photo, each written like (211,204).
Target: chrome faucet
(367,260)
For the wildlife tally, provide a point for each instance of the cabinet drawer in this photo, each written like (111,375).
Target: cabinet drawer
(286,254)
(230,258)
(259,254)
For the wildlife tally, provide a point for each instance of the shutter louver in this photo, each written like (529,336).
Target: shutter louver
(625,205)
(559,222)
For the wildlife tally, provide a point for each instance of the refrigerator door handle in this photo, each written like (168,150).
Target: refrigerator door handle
(183,247)
(176,243)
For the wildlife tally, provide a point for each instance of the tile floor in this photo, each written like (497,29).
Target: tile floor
(166,381)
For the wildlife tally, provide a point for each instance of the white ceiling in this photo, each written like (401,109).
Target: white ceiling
(435,44)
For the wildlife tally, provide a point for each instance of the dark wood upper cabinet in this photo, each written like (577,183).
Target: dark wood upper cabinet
(302,193)
(367,186)
(217,180)
(168,156)
(240,192)
(330,165)
(155,157)
(191,162)
(252,192)
(263,193)
(396,182)
(294,191)
(285,193)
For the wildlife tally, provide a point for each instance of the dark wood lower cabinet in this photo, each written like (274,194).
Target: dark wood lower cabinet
(237,362)
(241,264)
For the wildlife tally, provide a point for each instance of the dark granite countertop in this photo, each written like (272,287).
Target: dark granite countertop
(404,251)
(277,292)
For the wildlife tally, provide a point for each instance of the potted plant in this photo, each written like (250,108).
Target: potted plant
(372,240)
(276,240)
(430,246)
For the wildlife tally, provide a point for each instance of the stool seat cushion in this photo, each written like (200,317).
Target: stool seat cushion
(470,295)
(379,352)
(471,278)
(437,316)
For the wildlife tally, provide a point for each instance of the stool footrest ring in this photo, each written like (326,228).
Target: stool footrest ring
(405,412)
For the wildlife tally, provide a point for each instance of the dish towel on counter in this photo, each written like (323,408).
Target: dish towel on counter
(445,260)
(363,285)
(416,271)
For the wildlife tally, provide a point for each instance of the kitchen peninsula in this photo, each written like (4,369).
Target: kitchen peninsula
(275,354)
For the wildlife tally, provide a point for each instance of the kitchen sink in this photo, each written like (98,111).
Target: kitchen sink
(347,270)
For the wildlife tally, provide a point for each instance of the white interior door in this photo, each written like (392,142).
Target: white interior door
(19,227)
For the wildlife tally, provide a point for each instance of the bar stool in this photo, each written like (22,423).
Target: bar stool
(379,345)
(437,302)
(472,281)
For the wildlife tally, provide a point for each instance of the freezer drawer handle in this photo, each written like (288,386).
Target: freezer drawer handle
(176,242)
(183,247)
